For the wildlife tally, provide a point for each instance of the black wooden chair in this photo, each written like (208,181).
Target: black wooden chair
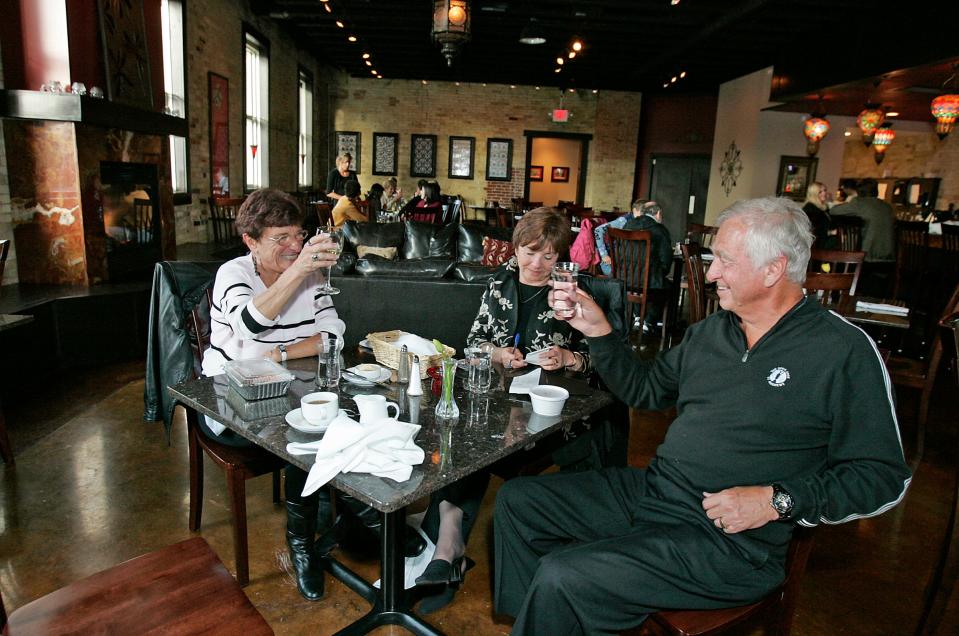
(702,300)
(848,232)
(223,212)
(837,262)
(631,251)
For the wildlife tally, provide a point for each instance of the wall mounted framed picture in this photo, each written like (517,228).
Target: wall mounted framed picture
(423,155)
(218,98)
(560,174)
(385,148)
(499,159)
(348,141)
(126,57)
(795,175)
(536,173)
(461,157)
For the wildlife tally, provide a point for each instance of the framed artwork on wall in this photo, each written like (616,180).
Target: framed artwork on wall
(218,97)
(795,175)
(385,148)
(536,173)
(461,157)
(348,141)
(560,174)
(499,159)
(125,55)
(423,156)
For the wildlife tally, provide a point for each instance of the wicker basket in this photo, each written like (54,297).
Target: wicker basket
(388,354)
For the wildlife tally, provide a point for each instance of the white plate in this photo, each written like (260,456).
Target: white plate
(364,343)
(383,377)
(295,419)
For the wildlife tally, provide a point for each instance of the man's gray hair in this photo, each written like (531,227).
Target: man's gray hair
(774,227)
(652,209)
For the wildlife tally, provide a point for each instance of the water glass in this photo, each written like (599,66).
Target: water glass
(480,372)
(330,363)
(564,277)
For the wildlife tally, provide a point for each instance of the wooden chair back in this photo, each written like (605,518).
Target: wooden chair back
(223,212)
(837,262)
(701,234)
(848,232)
(695,281)
(143,221)
(174,590)
(778,606)
(4,250)
(830,290)
(912,282)
(324,214)
(630,252)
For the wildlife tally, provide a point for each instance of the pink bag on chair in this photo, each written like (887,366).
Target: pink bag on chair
(583,250)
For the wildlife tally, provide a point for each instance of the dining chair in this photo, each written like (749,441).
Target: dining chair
(830,290)
(4,250)
(177,590)
(223,212)
(701,234)
(630,251)
(777,607)
(912,256)
(945,574)
(837,262)
(324,214)
(143,220)
(848,231)
(239,463)
(702,301)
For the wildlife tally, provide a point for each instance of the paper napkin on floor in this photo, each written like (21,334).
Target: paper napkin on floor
(882,308)
(384,448)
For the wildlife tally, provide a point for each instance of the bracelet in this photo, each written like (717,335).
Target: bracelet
(283,353)
(569,367)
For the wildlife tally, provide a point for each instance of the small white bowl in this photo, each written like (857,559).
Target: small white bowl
(547,399)
(368,371)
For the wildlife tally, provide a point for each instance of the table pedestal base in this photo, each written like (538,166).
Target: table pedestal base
(391,603)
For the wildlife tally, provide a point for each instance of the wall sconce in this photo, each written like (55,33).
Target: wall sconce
(880,142)
(451,26)
(869,119)
(815,129)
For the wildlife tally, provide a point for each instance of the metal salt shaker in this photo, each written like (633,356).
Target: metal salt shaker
(403,372)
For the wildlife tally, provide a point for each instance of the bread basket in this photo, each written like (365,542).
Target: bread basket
(387,352)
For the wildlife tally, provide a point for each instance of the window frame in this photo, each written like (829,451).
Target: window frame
(306,163)
(263,145)
(185,195)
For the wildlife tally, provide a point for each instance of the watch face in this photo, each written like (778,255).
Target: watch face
(782,501)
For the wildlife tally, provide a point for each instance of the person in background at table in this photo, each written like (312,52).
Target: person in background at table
(785,417)
(336,180)
(661,259)
(408,207)
(264,305)
(347,208)
(606,261)
(816,209)
(391,194)
(878,238)
(514,318)
(375,202)
(430,208)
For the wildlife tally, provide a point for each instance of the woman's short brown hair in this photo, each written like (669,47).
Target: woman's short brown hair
(541,227)
(265,208)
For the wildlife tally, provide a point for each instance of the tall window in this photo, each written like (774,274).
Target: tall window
(305,100)
(174,86)
(257,112)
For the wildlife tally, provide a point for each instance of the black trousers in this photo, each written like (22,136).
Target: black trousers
(595,552)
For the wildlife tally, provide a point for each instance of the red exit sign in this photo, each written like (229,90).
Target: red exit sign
(560,115)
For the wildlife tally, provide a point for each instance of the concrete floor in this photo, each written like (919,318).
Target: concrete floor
(94,485)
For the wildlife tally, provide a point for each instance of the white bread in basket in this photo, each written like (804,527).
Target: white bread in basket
(387,352)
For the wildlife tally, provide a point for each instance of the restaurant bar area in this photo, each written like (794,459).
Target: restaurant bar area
(479,317)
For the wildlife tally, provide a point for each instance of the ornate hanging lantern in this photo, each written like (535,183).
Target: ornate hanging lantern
(868,121)
(945,109)
(815,129)
(880,143)
(451,26)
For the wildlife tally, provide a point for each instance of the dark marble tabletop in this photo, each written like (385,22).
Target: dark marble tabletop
(490,427)
(8,321)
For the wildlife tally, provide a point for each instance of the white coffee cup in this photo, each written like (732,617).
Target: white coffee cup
(319,408)
(368,371)
(548,399)
(374,408)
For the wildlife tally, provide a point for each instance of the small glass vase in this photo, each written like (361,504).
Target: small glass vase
(446,406)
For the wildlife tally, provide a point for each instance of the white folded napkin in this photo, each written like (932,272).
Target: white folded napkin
(523,383)
(882,308)
(384,448)
(415,344)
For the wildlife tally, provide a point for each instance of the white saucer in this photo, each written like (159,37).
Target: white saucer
(364,343)
(383,377)
(295,419)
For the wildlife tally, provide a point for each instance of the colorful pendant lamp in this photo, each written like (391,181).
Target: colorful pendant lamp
(870,119)
(945,109)
(815,129)
(880,143)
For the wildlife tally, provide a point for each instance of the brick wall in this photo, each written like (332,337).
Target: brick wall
(6,213)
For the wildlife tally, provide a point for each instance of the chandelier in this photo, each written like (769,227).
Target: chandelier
(880,143)
(815,129)
(869,119)
(451,26)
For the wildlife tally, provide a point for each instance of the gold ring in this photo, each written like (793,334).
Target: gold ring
(722,525)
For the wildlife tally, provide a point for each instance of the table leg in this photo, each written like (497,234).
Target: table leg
(6,449)
(391,603)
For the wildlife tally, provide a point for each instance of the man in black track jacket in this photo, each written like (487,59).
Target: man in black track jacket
(785,416)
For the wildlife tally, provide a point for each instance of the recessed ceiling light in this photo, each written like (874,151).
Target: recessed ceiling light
(366,56)
(577,45)
(674,2)
(595,91)
(537,88)
(352,38)
(892,113)
(532,33)
(373,72)
(572,54)
(666,85)
(424,82)
(557,70)
(368,63)
(673,81)
(328,9)
(683,74)
(512,85)
(457,83)
(484,83)
(560,61)
(847,134)
(339,24)
(572,90)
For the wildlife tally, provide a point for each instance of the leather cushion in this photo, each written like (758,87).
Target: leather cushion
(469,248)
(496,252)
(345,264)
(426,240)
(405,268)
(372,234)
(473,271)
(389,253)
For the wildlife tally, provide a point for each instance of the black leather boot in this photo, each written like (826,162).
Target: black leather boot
(365,536)
(325,525)
(300,536)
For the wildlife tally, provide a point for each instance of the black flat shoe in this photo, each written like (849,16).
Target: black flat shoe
(441,572)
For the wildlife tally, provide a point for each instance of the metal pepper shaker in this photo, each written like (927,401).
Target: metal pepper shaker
(403,372)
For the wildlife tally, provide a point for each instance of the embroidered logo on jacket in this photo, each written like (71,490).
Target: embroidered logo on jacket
(777,377)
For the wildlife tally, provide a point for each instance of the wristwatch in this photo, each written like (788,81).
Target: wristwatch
(782,502)
(283,354)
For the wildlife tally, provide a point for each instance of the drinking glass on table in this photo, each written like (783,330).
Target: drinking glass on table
(336,236)
(564,277)
(330,361)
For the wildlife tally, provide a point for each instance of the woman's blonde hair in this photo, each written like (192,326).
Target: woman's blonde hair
(812,193)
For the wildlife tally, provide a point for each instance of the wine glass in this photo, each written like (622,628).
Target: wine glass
(336,236)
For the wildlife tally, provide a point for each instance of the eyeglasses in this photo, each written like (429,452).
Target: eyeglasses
(284,239)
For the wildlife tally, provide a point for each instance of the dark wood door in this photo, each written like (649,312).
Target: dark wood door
(679,184)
